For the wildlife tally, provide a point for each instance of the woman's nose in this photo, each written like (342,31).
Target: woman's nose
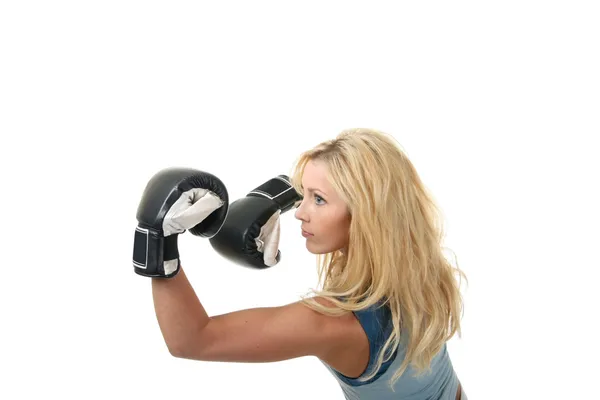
(300,213)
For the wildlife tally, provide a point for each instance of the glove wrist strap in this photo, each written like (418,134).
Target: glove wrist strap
(155,255)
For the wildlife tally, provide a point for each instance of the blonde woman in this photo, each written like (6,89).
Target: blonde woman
(389,299)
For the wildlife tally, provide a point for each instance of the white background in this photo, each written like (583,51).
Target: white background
(496,103)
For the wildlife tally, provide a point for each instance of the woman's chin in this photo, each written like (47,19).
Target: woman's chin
(316,250)
(312,248)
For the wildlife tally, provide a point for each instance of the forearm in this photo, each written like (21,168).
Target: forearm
(180,314)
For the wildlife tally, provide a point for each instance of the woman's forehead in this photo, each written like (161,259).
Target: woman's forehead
(315,176)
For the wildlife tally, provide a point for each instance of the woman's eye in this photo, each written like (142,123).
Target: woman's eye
(319,198)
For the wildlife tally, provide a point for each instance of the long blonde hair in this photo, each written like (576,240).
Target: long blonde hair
(395,253)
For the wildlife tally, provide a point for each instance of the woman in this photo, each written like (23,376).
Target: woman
(389,300)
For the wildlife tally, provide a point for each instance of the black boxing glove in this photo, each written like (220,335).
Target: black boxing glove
(250,234)
(175,200)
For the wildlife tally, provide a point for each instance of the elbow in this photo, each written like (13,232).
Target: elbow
(192,347)
(176,350)
(176,354)
(186,352)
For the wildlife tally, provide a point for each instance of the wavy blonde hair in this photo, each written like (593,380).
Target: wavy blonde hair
(395,254)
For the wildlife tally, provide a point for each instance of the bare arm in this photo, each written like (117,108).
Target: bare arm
(180,314)
(264,334)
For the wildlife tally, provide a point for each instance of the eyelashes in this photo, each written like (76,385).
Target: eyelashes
(319,201)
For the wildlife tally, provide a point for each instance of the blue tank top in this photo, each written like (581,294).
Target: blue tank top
(440,383)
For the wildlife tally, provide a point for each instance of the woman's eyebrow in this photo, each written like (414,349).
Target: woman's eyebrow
(316,189)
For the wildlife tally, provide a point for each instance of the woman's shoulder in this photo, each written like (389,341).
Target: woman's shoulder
(371,328)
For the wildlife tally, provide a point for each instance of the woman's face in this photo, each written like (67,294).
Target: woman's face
(325,217)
